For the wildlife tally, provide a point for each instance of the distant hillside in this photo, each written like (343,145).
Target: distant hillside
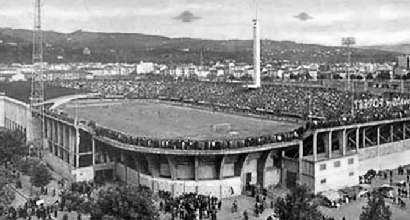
(132,47)
(398,48)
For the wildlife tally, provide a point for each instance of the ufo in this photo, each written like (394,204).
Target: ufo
(187,16)
(303,16)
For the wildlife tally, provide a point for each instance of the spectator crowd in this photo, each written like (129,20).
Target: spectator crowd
(190,206)
(318,106)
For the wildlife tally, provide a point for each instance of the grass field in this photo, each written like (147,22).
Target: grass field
(153,119)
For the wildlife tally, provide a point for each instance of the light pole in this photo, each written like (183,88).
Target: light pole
(348,41)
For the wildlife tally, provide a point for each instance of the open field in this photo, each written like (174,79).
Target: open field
(160,120)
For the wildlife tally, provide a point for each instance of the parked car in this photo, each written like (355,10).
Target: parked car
(363,193)
(386,191)
(354,192)
(331,198)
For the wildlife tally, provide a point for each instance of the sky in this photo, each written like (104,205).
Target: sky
(371,22)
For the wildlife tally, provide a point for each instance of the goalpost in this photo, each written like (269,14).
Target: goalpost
(221,127)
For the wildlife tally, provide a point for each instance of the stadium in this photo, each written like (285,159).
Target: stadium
(216,138)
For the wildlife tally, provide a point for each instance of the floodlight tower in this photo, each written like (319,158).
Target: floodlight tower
(348,41)
(37,77)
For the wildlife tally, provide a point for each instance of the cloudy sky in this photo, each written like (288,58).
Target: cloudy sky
(369,21)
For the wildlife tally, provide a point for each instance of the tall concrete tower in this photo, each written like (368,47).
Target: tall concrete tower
(256,54)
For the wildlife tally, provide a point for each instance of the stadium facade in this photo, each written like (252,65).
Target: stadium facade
(322,158)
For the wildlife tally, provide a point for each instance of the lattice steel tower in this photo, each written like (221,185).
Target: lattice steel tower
(37,80)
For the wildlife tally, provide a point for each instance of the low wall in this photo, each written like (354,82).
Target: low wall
(83,174)
(58,165)
(385,156)
(225,188)
(2,110)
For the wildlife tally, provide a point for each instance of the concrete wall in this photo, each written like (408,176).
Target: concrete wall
(229,170)
(2,110)
(308,174)
(83,174)
(58,165)
(271,177)
(272,174)
(250,166)
(382,157)
(185,171)
(17,114)
(207,171)
(126,174)
(164,169)
(336,177)
(220,188)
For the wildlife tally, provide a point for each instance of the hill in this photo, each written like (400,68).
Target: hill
(132,47)
(397,48)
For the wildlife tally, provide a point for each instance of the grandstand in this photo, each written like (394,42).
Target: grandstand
(21,91)
(282,101)
(163,134)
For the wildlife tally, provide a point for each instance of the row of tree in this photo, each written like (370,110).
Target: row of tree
(14,152)
(12,148)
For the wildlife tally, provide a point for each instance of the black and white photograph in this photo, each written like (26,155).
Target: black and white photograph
(204,109)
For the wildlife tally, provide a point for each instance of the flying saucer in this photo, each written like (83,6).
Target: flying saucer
(187,17)
(303,16)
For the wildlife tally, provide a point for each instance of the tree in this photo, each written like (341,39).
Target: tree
(369,76)
(337,76)
(27,164)
(40,176)
(231,77)
(246,77)
(127,202)
(211,76)
(6,194)
(12,145)
(383,75)
(65,216)
(297,205)
(376,208)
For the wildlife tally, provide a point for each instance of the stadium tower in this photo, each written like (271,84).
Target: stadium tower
(37,78)
(256,53)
